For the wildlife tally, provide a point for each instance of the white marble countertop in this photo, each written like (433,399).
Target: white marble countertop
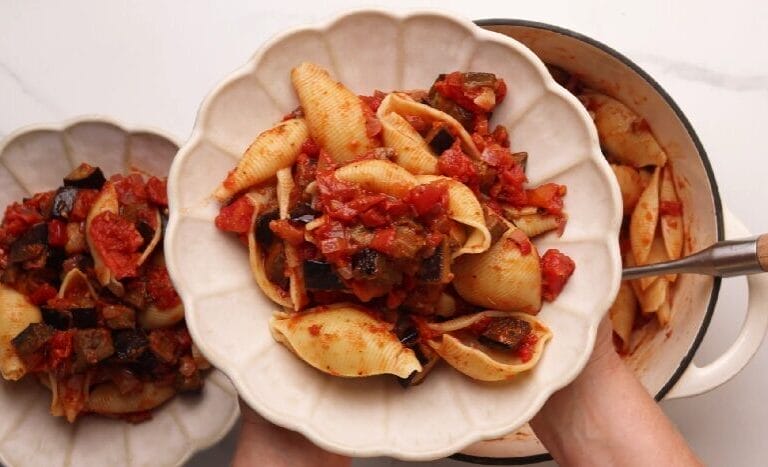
(151,63)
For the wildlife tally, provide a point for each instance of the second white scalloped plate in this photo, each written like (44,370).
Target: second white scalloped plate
(35,159)
(227,314)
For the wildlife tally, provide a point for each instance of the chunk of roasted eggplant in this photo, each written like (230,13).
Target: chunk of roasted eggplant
(33,244)
(146,231)
(367,262)
(64,201)
(85,176)
(505,333)
(57,319)
(264,234)
(453,109)
(406,330)
(86,317)
(521,159)
(303,213)
(130,344)
(92,345)
(32,339)
(439,138)
(497,226)
(437,268)
(319,275)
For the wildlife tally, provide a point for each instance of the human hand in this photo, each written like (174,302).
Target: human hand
(262,443)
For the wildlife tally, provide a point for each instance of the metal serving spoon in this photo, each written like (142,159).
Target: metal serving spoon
(723,259)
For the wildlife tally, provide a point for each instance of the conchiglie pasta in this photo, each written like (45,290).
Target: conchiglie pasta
(671,222)
(622,314)
(624,134)
(630,183)
(537,224)
(465,209)
(465,353)
(16,313)
(334,114)
(344,340)
(152,317)
(642,226)
(411,150)
(405,106)
(106,399)
(501,278)
(652,297)
(271,151)
(378,176)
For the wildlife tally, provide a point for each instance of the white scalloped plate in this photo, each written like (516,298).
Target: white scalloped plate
(227,314)
(35,159)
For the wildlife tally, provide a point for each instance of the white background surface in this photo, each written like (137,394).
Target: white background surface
(151,63)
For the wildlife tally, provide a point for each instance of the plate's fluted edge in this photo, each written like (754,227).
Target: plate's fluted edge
(193,445)
(235,374)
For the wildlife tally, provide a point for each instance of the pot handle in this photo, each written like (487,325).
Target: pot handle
(697,380)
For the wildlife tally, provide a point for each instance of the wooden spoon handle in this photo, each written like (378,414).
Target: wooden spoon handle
(762,251)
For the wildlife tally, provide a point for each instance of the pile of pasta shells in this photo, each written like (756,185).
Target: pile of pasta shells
(653,229)
(376,155)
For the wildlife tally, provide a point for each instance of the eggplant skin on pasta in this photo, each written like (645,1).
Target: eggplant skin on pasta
(86,303)
(394,230)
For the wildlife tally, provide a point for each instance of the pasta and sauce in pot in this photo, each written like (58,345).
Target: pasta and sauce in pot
(394,230)
(86,303)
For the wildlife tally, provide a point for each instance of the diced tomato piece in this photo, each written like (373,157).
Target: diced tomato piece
(548,196)
(509,187)
(383,241)
(160,288)
(455,164)
(157,191)
(374,217)
(236,217)
(373,102)
(42,294)
(310,148)
(284,229)
(430,199)
(61,348)
(57,233)
(527,347)
(19,218)
(83,202)
(556,268)
(372,123)
(130,189)
(306,168)
(479,326)
(418,123)
(118,243)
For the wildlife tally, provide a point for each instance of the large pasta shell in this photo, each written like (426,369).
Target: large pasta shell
(624,134)
(658,254)
(671,224)
(631,185)
(463,351)
(412,152)
(537,224)
(344,340)
(501,278)
(465,209)
(642,225)
(106,399)
(272,150)
(16,313)
(378,176)
(622,314)
(403,105)
(153,317)
(333,113)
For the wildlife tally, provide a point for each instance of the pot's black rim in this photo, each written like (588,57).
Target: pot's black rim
(715,199)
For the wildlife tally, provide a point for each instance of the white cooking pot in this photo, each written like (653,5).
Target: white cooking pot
(663,360)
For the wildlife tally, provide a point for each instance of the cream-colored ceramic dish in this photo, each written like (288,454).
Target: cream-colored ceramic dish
(227,314)
(35,159)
